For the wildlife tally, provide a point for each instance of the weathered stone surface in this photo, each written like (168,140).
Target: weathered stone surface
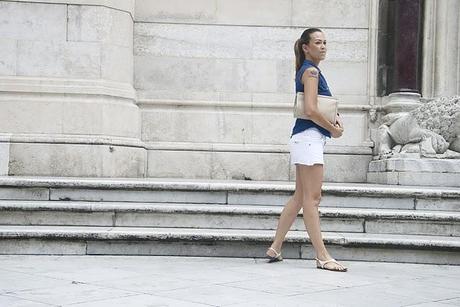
(336,13)
(139,196)
(24,193)
(26,21)
(117,64)
(179,164)
(56,218)
(365,201)
(415,178)
(41,247)
(176,10)
(100,24)
(261,166)
(58,59)
(86,160)
(8,56)
(337,167)
(415,165)
(258,12)
(4,158)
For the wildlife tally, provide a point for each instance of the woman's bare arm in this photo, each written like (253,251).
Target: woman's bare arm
(310,79)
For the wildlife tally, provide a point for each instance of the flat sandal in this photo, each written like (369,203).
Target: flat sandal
(321,265)
(275,258)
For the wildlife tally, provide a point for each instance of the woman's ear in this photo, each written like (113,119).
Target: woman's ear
(305,48)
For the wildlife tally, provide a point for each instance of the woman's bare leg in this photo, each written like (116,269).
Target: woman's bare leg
(287,218)
(312,180)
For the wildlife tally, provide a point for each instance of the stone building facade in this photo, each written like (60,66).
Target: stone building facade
(192,88)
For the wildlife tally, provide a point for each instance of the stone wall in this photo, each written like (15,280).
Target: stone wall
(176,88)
(215,85)
(66,89)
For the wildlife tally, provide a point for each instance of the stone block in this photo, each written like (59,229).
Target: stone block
(220,165)
(205,74)
(189,125)
(250,166)
(78,160)
(79,117)
(139,196)
(24,193)
(23,115)
(430,179)
(262,76)
(59,59)
(400,255)
(117,63)
(33,21)
(41,247)
(346,78)
(330,14)
(355,130)
(329,200)
(256,12)
(415,165)
(8,56)
(192,41)
(438,204)
(4,158)
(179,11)
(344,45)
(56,218)
(383,178)
(248,198)
(341,225)
(415,178)
(173,74)
(121,119)
(184,248)
(413,227)
(99,24)
(179,164)
(337,167)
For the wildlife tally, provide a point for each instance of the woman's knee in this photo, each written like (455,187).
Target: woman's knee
(297,199)
(313,200)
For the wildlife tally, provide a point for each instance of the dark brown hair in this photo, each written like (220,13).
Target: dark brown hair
(298,51)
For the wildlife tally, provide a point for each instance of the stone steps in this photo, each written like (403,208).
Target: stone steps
(86,240)
(116,214)
(223,218)
(225,192)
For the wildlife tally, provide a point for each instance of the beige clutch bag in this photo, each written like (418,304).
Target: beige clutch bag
(327,106)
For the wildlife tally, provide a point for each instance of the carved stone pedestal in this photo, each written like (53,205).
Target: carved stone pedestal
(415,171)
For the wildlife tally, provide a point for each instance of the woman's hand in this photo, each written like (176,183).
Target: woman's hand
(337,131)
(339,120)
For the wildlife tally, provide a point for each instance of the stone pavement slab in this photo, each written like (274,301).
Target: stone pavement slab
(29,280)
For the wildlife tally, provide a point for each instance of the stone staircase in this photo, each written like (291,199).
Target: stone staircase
(223,218)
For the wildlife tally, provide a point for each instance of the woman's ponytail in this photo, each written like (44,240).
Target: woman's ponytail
(299,55)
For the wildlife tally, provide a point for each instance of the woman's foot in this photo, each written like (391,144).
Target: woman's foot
(330,265)
(273,255)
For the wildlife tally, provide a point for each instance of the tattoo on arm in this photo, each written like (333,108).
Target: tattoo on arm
(312,73)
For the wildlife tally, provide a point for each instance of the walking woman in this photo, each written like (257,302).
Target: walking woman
(306,148)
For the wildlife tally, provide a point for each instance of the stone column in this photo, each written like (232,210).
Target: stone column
(67,102)
(441,52)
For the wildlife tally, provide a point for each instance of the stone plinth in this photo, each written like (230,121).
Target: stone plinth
(406,171)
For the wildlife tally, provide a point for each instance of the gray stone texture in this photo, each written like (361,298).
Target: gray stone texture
(86,160)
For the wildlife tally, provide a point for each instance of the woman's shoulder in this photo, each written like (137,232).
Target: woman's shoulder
(307,67)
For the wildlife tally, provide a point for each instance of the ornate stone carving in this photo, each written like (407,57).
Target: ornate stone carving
(431,130)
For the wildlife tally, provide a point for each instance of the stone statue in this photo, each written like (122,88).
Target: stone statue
(431,130)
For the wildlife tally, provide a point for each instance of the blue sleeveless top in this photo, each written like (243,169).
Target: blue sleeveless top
(323,89)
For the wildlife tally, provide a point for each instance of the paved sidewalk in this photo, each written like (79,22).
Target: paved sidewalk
(194,281)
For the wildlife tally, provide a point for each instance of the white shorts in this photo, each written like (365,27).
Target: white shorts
(307,147)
